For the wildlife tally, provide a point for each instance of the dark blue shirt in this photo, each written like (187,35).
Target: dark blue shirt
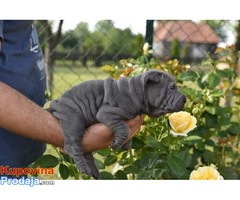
(21,67)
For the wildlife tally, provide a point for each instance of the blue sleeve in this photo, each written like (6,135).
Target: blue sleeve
(1,29)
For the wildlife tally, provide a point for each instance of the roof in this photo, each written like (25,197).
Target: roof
(185,31)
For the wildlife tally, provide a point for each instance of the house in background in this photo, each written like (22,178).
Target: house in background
(185,40)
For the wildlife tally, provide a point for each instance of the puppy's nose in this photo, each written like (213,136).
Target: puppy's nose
(184,99)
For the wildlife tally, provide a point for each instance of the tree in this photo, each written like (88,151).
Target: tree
(50,42)
(175,49)
(105,42)
(74,42)
(104,25)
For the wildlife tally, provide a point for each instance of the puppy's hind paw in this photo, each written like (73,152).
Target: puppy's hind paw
(90,161)
(96,176)
(83,167)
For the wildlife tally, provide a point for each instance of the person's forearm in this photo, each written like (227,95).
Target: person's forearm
(21,116)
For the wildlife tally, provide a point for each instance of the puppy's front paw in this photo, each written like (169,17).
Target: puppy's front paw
(115,145)
(127,145)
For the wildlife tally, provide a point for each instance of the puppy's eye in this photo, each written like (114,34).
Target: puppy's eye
(172,87)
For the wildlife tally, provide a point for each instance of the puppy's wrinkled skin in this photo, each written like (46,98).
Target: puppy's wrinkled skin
(111,102)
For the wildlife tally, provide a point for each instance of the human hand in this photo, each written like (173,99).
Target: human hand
(134,127)
(98,136)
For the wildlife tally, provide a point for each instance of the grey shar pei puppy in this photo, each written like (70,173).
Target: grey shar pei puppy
(111,102)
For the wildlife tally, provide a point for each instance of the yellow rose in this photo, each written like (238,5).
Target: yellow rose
(182,123)
(205,173)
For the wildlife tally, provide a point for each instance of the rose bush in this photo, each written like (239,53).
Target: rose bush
(213,129)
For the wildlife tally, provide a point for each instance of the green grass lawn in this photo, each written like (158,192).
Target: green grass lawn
(66,77)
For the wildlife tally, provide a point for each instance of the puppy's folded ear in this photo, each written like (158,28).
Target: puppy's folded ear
(151,76)
(151,81)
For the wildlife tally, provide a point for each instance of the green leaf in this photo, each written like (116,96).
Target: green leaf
(209,156)
(176,165)
(147,160)
(106,176)
(46,161)
(206,62)
(193,94)
(227,73)
(109,160)
(213,80)
(200,146)
(160,163)
(131,169)
(124,161)
(211,110)
(192,138)
(185,156)
(73,171)
(217,93)
(234,128)
(188,76)
(229,173)
(158,173)
(143,175)
(224,116)
(211,121)
(210,142)
(125,155)
(151,141)
(202,131)
(99,164)
(205,77)
(64,171)
(156,161)
(120,175)
(137,143)
(187,91)
(104,152)
(67,158)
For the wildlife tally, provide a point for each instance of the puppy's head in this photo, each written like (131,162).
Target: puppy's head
(161,93)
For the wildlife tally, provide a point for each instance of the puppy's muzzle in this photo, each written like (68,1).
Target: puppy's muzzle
(181,100)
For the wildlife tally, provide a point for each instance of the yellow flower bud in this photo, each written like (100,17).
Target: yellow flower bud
(145,47)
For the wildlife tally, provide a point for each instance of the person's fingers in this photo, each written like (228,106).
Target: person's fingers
(138,119)
(99,136)
(134,127)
